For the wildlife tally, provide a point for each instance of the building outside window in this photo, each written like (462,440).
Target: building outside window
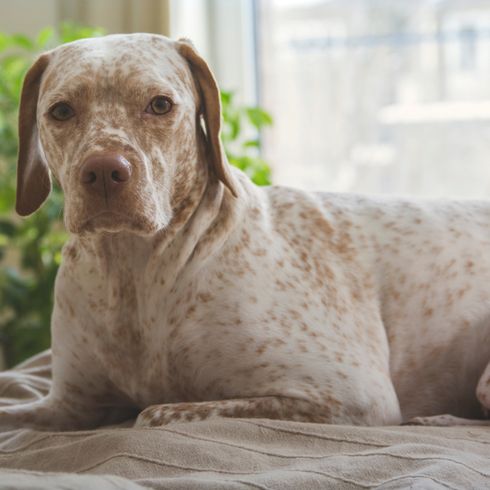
(377,96)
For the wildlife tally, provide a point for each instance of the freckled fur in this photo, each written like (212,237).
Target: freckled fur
(193,303)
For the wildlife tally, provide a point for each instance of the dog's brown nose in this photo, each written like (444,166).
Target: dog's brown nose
(105,174)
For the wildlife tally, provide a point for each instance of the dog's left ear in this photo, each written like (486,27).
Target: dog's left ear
(33,180)
(211,111)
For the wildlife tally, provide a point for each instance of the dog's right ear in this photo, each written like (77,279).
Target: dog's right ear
(33,180)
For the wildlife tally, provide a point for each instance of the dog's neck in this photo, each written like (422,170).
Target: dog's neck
(193,230)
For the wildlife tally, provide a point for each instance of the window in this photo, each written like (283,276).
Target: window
(224,33)
(377,96)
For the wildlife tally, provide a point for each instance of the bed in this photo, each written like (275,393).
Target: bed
(234,453)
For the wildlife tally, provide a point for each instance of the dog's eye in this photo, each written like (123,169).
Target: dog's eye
(61,111)
(159,105)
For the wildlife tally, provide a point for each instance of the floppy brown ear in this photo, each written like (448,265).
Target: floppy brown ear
(211,111)
(33,181)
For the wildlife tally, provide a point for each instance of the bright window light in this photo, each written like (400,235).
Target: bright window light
(377,96)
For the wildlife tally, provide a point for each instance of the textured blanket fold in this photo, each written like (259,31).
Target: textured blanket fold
(234,453)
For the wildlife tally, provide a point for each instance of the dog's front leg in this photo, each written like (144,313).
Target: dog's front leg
(80,396)
(270,407)
(50,413)
(47,413)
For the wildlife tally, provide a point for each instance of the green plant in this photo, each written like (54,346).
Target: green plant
(243,151)
(30,249)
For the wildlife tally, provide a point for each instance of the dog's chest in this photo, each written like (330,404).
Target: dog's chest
(213,334)
(145,339)
(130,346)
(175,348)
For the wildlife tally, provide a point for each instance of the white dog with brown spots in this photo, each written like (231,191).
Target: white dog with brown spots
(187,292)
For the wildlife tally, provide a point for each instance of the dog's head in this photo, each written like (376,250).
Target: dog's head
(126,124)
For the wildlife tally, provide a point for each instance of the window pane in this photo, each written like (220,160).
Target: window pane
(378,96)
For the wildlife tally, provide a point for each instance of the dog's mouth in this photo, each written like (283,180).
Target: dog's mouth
(115,221)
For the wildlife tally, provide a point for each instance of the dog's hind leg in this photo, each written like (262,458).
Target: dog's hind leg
(270,407)
(483,390)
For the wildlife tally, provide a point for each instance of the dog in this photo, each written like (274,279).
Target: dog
(186,292)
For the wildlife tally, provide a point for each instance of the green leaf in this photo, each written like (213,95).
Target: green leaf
(258,117)
(7,228)
(4,41)
(226,98)
(22,41)
(45,37)
(235,127)
(255,143)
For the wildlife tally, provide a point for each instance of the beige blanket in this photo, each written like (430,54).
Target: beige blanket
(239,453)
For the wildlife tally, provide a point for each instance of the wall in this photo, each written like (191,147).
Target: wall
(30,16)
